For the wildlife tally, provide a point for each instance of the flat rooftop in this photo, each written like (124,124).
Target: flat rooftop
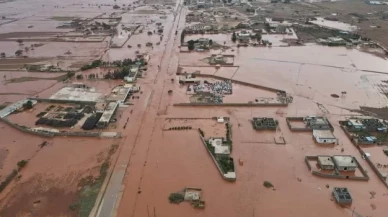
(13,107)
(219,148)
(109,111)
(327,134)
(119,93)
(325,160)
(77,94)
(320,121)
(344,161)
(355,122)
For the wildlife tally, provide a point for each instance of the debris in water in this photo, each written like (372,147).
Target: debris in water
(334,95)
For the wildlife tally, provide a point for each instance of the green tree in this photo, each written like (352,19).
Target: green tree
(190,44)
(258,36)
(22,163)
(27,105)
(18,53)
(70,74)
(183,36)
(2,55)
(20,41)
(210,42)
(234,37)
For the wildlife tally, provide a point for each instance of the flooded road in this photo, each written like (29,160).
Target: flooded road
(152,163)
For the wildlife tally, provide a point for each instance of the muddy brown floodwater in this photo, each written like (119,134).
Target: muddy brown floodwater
(151,162)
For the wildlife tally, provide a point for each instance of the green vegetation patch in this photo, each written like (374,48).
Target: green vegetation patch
(268,184)
(8,179)
(226,164)
(89,192)
(176,198)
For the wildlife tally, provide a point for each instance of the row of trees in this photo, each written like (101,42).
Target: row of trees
(117,63)
(118,73)
(191,44)
(94,64)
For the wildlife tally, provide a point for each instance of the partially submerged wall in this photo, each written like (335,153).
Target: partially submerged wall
(365,176)
(242,83)
(64,101)
(215,161)
(289,119)
(49,134)
(367,159)
(292,128)
(233,104)
(26,130)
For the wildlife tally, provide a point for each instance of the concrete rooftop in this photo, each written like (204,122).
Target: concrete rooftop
(344,161)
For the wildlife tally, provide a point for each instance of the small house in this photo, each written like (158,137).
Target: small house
(220,149)
(342,196)
(324,137)
(325,162)
(345,163)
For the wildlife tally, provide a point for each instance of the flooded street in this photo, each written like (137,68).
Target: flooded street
(153,161)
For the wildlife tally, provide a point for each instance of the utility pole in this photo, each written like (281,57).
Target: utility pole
(154,212)
(148,212)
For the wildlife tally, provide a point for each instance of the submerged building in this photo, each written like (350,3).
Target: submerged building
(220,149)
(107,115)
(324,137)
(345,163)
(367,125)
(325,162)
(314,122)
(342,196)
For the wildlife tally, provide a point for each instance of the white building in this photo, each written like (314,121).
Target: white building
(324,137)
(219,148)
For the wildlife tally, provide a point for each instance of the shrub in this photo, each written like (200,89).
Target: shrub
(43,144)
(27,105)
(210,147)
(268,184)
(176,198)
(18,53)
(22,163)
(73,206)
(234,37)
(190,44)
(201,132)
(70,74)
(226,164)
(8,179)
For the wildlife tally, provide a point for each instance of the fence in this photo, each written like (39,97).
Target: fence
(367,159)
(64,101)
(242,83)
(232,104)
(215,161)
(50,134)
(365,176)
